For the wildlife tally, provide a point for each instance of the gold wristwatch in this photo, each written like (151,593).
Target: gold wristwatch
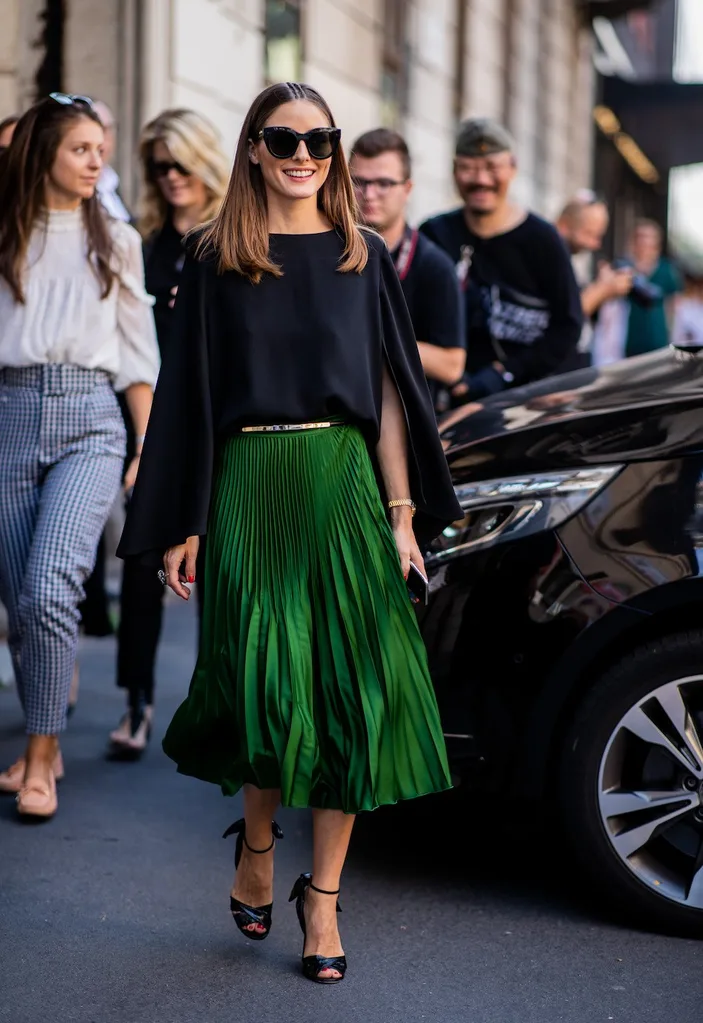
(403,502)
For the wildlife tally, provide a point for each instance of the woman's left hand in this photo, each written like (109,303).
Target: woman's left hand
(130,476)
(408,549)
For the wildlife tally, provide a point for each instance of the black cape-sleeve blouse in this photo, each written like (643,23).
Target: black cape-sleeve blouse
(292,349)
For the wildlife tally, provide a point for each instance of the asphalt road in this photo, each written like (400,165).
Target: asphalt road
(118,909)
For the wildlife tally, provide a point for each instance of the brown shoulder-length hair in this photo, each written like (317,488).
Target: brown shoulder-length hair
(26,164)
(239,234)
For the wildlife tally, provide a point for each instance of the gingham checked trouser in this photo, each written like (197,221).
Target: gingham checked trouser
(62,444)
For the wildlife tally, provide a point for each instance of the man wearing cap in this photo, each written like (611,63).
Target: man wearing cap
(523,309)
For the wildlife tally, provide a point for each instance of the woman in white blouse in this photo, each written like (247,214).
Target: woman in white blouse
(75,325)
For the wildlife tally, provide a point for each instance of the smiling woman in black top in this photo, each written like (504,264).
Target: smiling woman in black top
(293,373)
(185,176)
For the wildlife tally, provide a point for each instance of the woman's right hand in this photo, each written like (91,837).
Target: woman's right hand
(174,558)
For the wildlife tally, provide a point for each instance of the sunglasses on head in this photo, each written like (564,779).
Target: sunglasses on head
(283,143)
(67,99)
(162,168)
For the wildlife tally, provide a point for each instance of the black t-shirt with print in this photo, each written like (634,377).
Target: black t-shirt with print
(522,302)
(433,298)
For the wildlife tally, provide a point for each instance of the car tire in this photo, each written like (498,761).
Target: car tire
(588,740)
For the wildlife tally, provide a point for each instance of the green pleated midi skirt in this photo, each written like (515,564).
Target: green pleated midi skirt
(312,675)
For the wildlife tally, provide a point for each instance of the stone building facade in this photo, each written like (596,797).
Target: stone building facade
(418,65)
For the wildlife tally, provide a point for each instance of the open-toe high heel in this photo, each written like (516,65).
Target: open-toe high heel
(313,966)
(131,737)
(242,914)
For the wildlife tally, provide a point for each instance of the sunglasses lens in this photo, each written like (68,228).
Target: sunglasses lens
(321,145)
(161,169)
(281,143)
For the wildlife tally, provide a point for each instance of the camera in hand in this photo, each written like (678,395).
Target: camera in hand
(643,292)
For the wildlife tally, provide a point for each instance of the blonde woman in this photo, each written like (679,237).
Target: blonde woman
(185,177)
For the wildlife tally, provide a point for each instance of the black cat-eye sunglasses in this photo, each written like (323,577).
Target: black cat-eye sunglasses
(283,143)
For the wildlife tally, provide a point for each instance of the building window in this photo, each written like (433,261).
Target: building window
(283,36)
(395,62)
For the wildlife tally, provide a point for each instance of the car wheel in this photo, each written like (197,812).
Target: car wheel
(631,784)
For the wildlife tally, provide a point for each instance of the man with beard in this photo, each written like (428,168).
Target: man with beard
(523,309)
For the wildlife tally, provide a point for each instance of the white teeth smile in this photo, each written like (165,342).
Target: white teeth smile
(299,173)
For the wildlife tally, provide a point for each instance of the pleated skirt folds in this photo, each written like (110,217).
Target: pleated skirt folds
(312,675)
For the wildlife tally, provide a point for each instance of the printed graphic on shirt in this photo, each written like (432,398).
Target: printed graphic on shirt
(514,317)
(509,314)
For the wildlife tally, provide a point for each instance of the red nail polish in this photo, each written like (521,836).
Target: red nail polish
(191,578)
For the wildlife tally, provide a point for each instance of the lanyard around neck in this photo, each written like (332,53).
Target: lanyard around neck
(406,252)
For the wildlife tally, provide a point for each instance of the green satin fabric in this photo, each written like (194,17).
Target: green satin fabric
(312,675)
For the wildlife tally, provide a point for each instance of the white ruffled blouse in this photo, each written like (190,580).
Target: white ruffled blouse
(63,318)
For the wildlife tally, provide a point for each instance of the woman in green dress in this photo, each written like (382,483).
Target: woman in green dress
(293,425)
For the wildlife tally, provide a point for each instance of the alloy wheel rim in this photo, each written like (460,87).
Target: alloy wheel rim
(650,791)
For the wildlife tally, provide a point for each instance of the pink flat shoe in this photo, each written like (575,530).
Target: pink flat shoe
(12,779)
(37,798)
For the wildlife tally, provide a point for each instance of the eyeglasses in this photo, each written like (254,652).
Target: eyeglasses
(382,185)
(162,168)
(495,166)
(67,99)
(283,143)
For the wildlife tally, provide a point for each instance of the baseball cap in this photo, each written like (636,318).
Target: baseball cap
(481,136)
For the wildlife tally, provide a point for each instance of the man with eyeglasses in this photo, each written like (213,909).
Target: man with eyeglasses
(522,303)
(381,171)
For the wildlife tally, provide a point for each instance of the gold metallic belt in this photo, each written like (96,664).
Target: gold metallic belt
(285,427)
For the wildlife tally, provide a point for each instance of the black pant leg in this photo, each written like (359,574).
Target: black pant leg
(140,627)
(94,610)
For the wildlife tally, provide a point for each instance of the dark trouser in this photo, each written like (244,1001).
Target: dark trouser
(141,615)
(94,610)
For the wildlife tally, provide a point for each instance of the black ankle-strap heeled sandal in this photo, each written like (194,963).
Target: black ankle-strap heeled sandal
(313,966)
(242,914)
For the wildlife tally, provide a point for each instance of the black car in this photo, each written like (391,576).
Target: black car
(565,620)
